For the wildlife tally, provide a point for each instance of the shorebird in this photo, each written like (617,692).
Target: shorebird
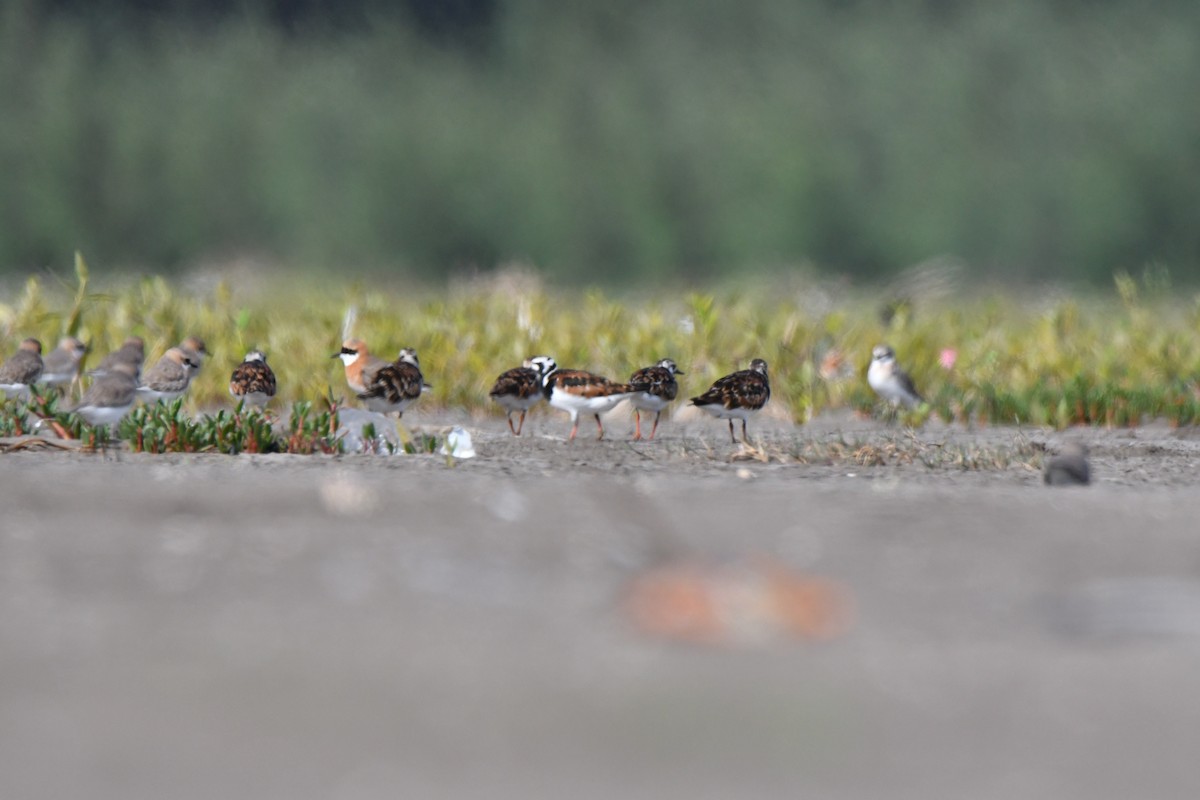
(252,381)
(889,381)
(383,386)
(22,369)
(132,351)
(61,365)
(653,390)
(1069,467)
(169,378)
(520,388)
(738,395)
(110,397)
(575,391)
(196,352)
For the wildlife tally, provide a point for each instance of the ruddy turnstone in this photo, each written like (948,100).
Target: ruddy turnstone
(737,395)
(889,381)
(520,389)
(110,396)
(252,381)
(23,369)
(132,351)
(653,389)
(573,391)
(383,386)
(61,365)
(169,377)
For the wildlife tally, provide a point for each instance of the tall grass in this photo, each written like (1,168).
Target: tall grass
(614,142)
(1120,358)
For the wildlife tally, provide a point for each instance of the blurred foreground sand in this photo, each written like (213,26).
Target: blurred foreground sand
(276,627)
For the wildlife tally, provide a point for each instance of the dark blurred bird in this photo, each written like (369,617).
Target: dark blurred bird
(1069,467)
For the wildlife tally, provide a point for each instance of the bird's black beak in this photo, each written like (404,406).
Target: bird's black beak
(680,372)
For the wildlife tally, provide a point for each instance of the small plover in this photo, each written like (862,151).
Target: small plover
(252,381)
(575,391)
(738,395)
(132,351)
(1069,467)
(889,381)
(23,369)
(520,388)
(169,377)
(383,386)
(653,389)
(196,352)
(61,365)
(110,396)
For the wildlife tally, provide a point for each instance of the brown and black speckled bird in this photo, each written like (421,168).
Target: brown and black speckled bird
(653,389)
(252,381)
(738,395)
(574,390)
(520,388)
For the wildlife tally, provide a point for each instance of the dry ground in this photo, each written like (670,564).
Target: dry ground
(363,627)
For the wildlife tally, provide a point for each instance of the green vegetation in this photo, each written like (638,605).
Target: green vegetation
(612,142)
(1054,360)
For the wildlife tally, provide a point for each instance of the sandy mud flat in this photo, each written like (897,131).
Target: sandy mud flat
(362,627)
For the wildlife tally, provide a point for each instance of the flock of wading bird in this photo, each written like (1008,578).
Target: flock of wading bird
(390,387)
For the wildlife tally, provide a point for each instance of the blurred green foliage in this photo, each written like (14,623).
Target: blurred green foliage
(1052,359)
(613,142)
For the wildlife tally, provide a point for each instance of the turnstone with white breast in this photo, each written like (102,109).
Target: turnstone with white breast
(383,386)
(889,381)
(169,377)
(574,390)
(738,395)
(252,381)
(653,389)
(61,365)
(22,369)
(520,388)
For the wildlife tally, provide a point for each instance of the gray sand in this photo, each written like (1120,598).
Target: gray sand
(371,627)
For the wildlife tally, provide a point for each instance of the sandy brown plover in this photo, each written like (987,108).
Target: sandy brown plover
(110,397)
(22,369)
(653,390)
(60,366)
(132,351)
(738,395)
(169,377)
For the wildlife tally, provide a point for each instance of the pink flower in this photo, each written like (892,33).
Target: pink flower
(948,357)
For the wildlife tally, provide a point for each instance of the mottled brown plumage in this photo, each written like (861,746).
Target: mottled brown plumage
(520,389)
(253,382)
(654,388)
(574,390)
(737,395)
